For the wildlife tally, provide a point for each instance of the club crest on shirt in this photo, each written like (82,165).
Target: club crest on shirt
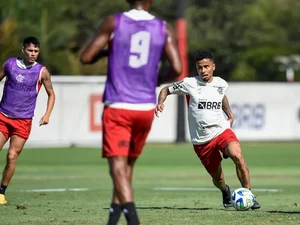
(20,78)
(220,90)
(199,91)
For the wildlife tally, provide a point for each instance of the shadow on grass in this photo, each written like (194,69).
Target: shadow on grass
(284,212)
(173,208)
(168,207)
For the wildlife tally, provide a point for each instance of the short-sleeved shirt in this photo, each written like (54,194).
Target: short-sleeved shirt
(205,114)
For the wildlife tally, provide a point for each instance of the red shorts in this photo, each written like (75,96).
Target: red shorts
(125,131)
(209,153)
(12,126)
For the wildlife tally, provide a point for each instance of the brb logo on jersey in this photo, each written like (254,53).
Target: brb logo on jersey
(209,105)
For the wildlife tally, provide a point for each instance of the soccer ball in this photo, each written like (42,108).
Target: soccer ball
(242,199)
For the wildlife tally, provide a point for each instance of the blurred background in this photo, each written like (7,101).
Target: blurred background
(255,43)
(60,177)
(246,36)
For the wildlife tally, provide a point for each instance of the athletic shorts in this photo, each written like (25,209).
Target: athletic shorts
(209,153)
(12,126)
(125,131)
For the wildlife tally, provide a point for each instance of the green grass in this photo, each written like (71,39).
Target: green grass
(272,165)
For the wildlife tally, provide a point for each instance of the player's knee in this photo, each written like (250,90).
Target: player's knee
(237,156)
(12,156)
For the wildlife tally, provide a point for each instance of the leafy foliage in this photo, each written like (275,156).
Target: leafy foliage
(245,35)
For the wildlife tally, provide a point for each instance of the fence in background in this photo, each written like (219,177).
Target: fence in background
(263,112)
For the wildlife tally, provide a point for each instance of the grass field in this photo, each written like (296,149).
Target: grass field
(272,166)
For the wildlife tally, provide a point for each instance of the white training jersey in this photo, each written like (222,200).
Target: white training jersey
(205,114)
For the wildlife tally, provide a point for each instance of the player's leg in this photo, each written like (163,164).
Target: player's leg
(15,147)
(116,142)
(130,165)
(219,182)
(4,135)
(140,130)
(211,160)
(234,151)
(3,140)
(116,205)
(115,210)
(118,169)
(122,189)
(218,178)
(142,123)
(228,144)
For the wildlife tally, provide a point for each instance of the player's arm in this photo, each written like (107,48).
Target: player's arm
(46,81)
(161,99)
(180,87)
(227,110)
(2,73)
(95,48)
(173,56)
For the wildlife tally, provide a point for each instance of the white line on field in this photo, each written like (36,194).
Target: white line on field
(56,190)
(207,189)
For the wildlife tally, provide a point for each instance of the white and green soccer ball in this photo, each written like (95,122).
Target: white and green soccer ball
(242,199)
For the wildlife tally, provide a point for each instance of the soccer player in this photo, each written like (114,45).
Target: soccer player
(136,41)
(209,130)
(24,78)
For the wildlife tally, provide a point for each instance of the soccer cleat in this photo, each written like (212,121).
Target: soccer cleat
(256,205)
(2,199)
(227,197)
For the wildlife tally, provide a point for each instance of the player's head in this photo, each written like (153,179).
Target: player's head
(144,4)
(31,49)
(205,65)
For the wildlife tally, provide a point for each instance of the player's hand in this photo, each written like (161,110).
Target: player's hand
(159,108)
(231,121)
(44,120)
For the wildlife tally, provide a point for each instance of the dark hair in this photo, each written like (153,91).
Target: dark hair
(204,54)
(31,40)
(133,1)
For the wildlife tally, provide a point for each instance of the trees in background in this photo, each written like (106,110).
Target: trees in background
(245,35)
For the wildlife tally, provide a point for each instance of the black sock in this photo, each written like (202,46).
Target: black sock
(130,213)
(2,189)
(114,214)
(226,189)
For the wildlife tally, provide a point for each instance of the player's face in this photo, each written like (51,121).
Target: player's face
(205,69)
(31,53)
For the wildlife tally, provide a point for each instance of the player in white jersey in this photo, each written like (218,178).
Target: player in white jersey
(209,130)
